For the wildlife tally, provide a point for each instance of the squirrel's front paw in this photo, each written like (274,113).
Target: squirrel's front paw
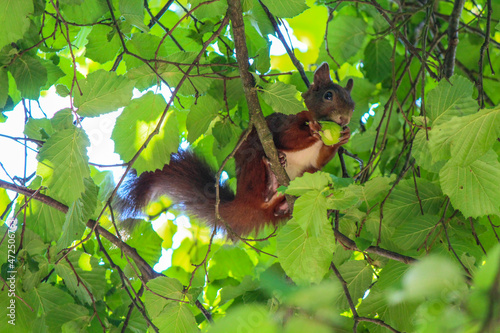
(282,157)
(346,135)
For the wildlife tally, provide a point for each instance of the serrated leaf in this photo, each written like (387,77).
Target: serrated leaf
(63,119)
(93,278)
(358,276)
(35,127)
(209,10)
(377,62)
(57,317)
(14,20)
(102,92)
(133,12)
(229,261)
(50,297)
(101,48)
(30,75)
(412,232)
(403,203)
(225,131)
(62,90)
(78,214)
(281,97)
(450,99)
(166,287)
(464,139)
(285,8)
(63,163)
(421,153)
(176,317)
(137,121)
(310,212)
(309,181)
(88,12)
(371,191)
(44,220)
(304,258)
(147,242)
(200,117)
(346,35)
(473,189)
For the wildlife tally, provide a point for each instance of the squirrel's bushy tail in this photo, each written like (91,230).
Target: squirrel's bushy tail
(187,180)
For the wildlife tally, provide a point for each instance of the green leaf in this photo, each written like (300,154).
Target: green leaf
(50,297)
(251,317)
(30,75)
(54,73)
(63,163)
(465,139)
(166,287)
(38,128)
(66,313)
(310,212)
(4,87)
(309,181)
(229,261)
(285,8)
(147,242)
(377,62)
(225,131)
(412,232)
(62,90)
(63,119)
(137,121)
(78,214)
(103,44)
(450,99)
(432,277)
(473,189)
(88,12)
(304,258)
(91,274)
(42,219)
(403,203)
(133,13)
(103,92)
(200,117)
(210,10)
(281,97)
(176,317)
(371,191)
(346,35)
(169,315)
(358,276)
(14,20)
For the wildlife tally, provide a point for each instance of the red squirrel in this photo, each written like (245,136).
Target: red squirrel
(190,182)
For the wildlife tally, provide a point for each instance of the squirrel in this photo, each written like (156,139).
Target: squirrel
(190,182)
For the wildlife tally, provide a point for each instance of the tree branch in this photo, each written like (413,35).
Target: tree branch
(127,249)
(449,60)
(256,117)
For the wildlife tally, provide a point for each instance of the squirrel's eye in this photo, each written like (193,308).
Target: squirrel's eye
(328,95)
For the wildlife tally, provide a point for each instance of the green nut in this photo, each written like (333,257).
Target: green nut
(330,132)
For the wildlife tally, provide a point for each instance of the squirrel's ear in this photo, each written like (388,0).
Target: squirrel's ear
(349,85)
(322,75)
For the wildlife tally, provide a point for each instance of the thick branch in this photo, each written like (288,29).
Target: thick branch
(127,249)
(256,117)
(449,60)
(351,245)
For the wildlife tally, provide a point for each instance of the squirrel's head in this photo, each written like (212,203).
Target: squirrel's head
(327,100)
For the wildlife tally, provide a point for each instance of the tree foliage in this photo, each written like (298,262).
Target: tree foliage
(408,242)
